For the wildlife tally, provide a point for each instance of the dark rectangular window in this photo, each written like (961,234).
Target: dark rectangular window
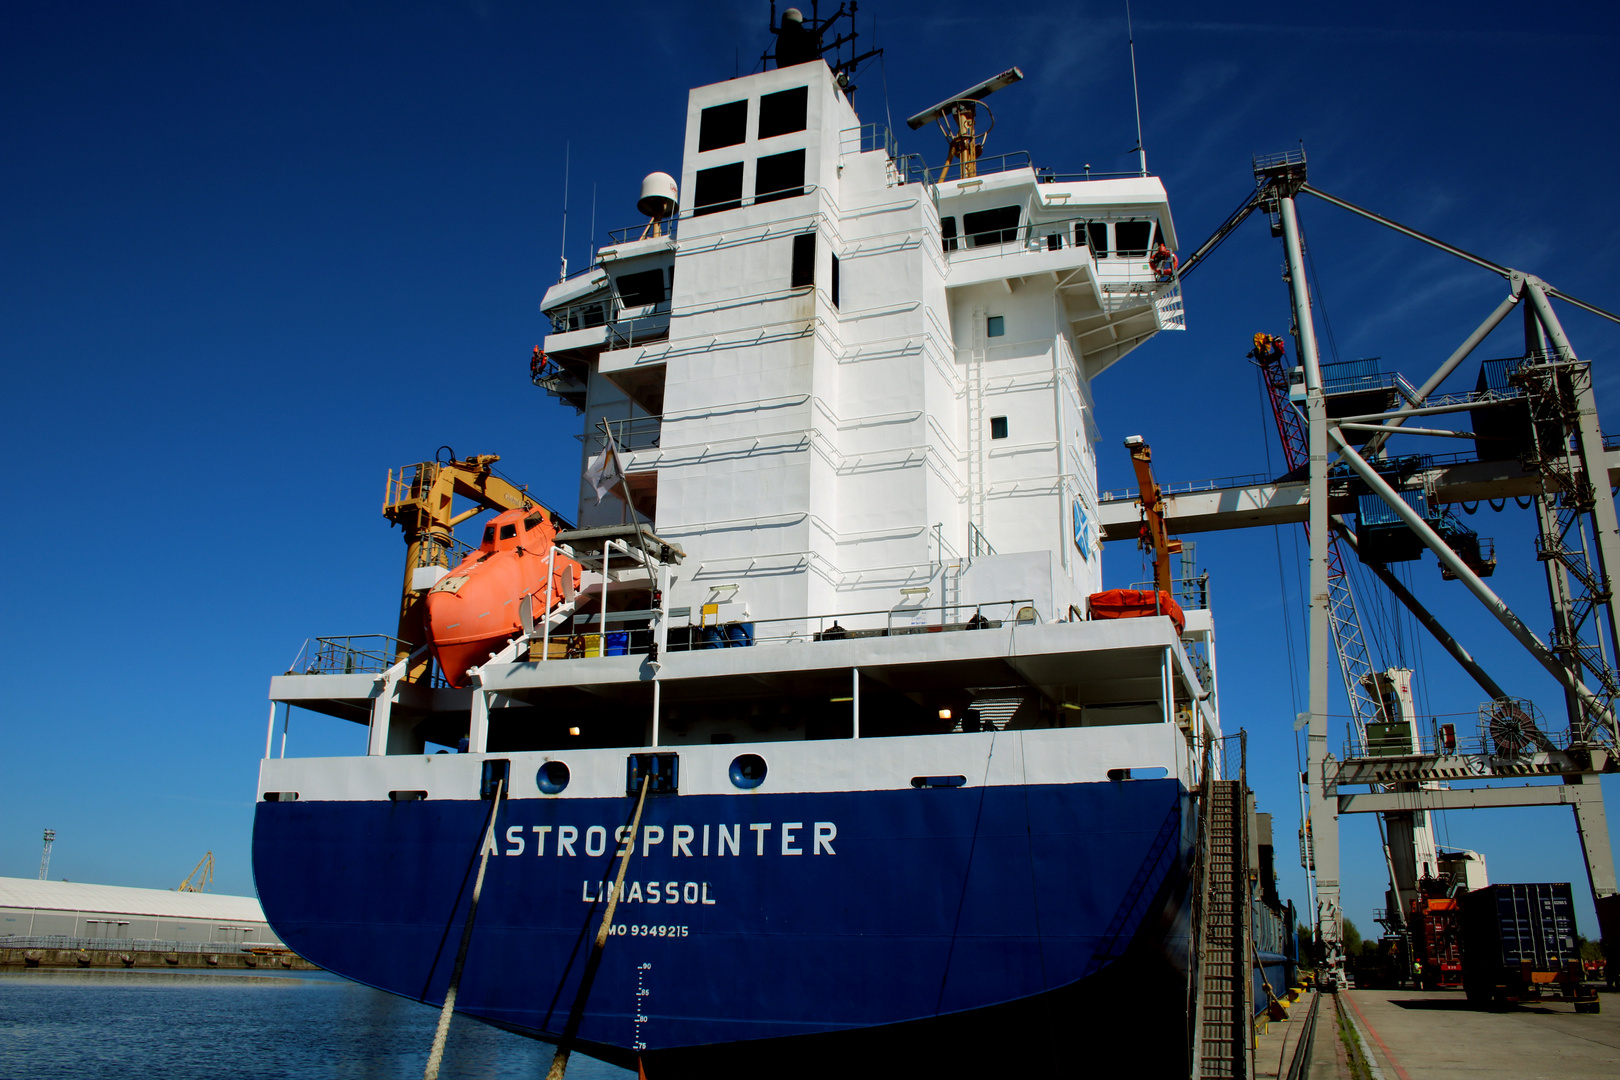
(804,260)
(716,189)
(723,125)
(998,427)
(998,226)
(947,231)
(783,112)
(834,290)
(779,176)
(995,326)
(508,532)
(647,287)
(1097,232)
(1132,238)
(532,520)
(1054,242)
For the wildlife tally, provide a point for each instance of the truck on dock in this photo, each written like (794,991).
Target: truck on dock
(1519,944)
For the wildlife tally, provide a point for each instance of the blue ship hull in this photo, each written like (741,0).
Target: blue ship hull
(863,930)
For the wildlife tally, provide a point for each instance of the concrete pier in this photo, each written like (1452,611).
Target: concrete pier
(1436,1035)
(222,960)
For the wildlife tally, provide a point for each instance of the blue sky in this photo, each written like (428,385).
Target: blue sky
(253,256)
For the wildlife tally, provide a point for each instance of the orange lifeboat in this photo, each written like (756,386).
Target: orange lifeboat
(473,611)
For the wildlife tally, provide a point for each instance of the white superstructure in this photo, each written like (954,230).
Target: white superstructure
(844,388)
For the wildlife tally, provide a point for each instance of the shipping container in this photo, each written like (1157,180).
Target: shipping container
(1519,943)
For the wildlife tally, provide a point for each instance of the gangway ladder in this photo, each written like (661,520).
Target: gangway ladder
(1224,988)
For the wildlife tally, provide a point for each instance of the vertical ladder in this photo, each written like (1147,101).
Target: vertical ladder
(976,422)
(1223,975)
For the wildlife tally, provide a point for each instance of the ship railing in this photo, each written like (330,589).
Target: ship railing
(693,629)
(977,544)
(1230,757)
(653,325)
(867,139)
(1192,593)
(918,173)
(640,433)
(58,941)
(349,654)
(1047,176)
(644,231)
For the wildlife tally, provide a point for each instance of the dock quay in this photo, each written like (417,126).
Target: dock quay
(178,954)
(1435,1035)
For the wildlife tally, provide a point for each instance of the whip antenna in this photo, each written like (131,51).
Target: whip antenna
(1136,94)
(564,275)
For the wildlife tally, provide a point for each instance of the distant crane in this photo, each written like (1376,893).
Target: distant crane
(201,877)
(45,857)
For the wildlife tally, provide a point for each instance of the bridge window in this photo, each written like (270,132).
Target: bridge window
(998,226)
(1097,235)
(779,176)
(947,231)
(783,112)
(644,288)
(723,125)
(1132,238)
(719,188)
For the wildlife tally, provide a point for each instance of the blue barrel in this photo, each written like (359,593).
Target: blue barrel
(713,638)
(739,634)
(618,644)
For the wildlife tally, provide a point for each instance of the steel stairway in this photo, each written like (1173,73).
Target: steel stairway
(1222,1005)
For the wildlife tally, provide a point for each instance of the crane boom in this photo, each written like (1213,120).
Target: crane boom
(1155,530)
(421,501)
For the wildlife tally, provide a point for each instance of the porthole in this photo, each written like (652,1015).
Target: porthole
(747,771)
(552,778)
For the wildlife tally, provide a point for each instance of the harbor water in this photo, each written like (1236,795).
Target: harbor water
(181,1025)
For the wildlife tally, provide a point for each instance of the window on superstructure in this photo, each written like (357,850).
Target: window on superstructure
(716,189)
(637,290)
(834,291)
(1131,238)
(1097,235)
(1054,241)
(784,112)
(995,326)
(804,261)
(998,226)
(998,427)
(779,176)
(723,125)
(947,232)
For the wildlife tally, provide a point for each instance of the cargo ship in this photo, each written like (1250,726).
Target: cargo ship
(824,614)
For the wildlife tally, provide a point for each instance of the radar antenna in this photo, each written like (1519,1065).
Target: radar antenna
(958,118)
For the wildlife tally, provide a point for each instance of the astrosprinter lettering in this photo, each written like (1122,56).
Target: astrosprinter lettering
(688,841)
(651,892)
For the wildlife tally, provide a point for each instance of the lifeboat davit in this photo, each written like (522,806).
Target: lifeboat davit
(473,611)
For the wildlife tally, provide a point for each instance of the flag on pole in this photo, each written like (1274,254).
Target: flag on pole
(604,471)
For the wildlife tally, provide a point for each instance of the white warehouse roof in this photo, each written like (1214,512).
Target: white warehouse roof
(122,900)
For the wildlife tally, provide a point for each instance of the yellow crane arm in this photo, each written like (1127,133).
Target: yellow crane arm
(1155,527)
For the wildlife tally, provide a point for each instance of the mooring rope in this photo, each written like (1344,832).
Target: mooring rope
(436,1055)
(559,1063)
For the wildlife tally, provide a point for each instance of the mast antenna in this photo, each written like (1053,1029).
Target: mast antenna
(564,275)
(1136,93)
(45,859)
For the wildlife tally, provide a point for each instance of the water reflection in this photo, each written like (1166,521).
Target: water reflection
(114,1024)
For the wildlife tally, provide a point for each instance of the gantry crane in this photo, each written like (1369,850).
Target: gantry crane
(420,500)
